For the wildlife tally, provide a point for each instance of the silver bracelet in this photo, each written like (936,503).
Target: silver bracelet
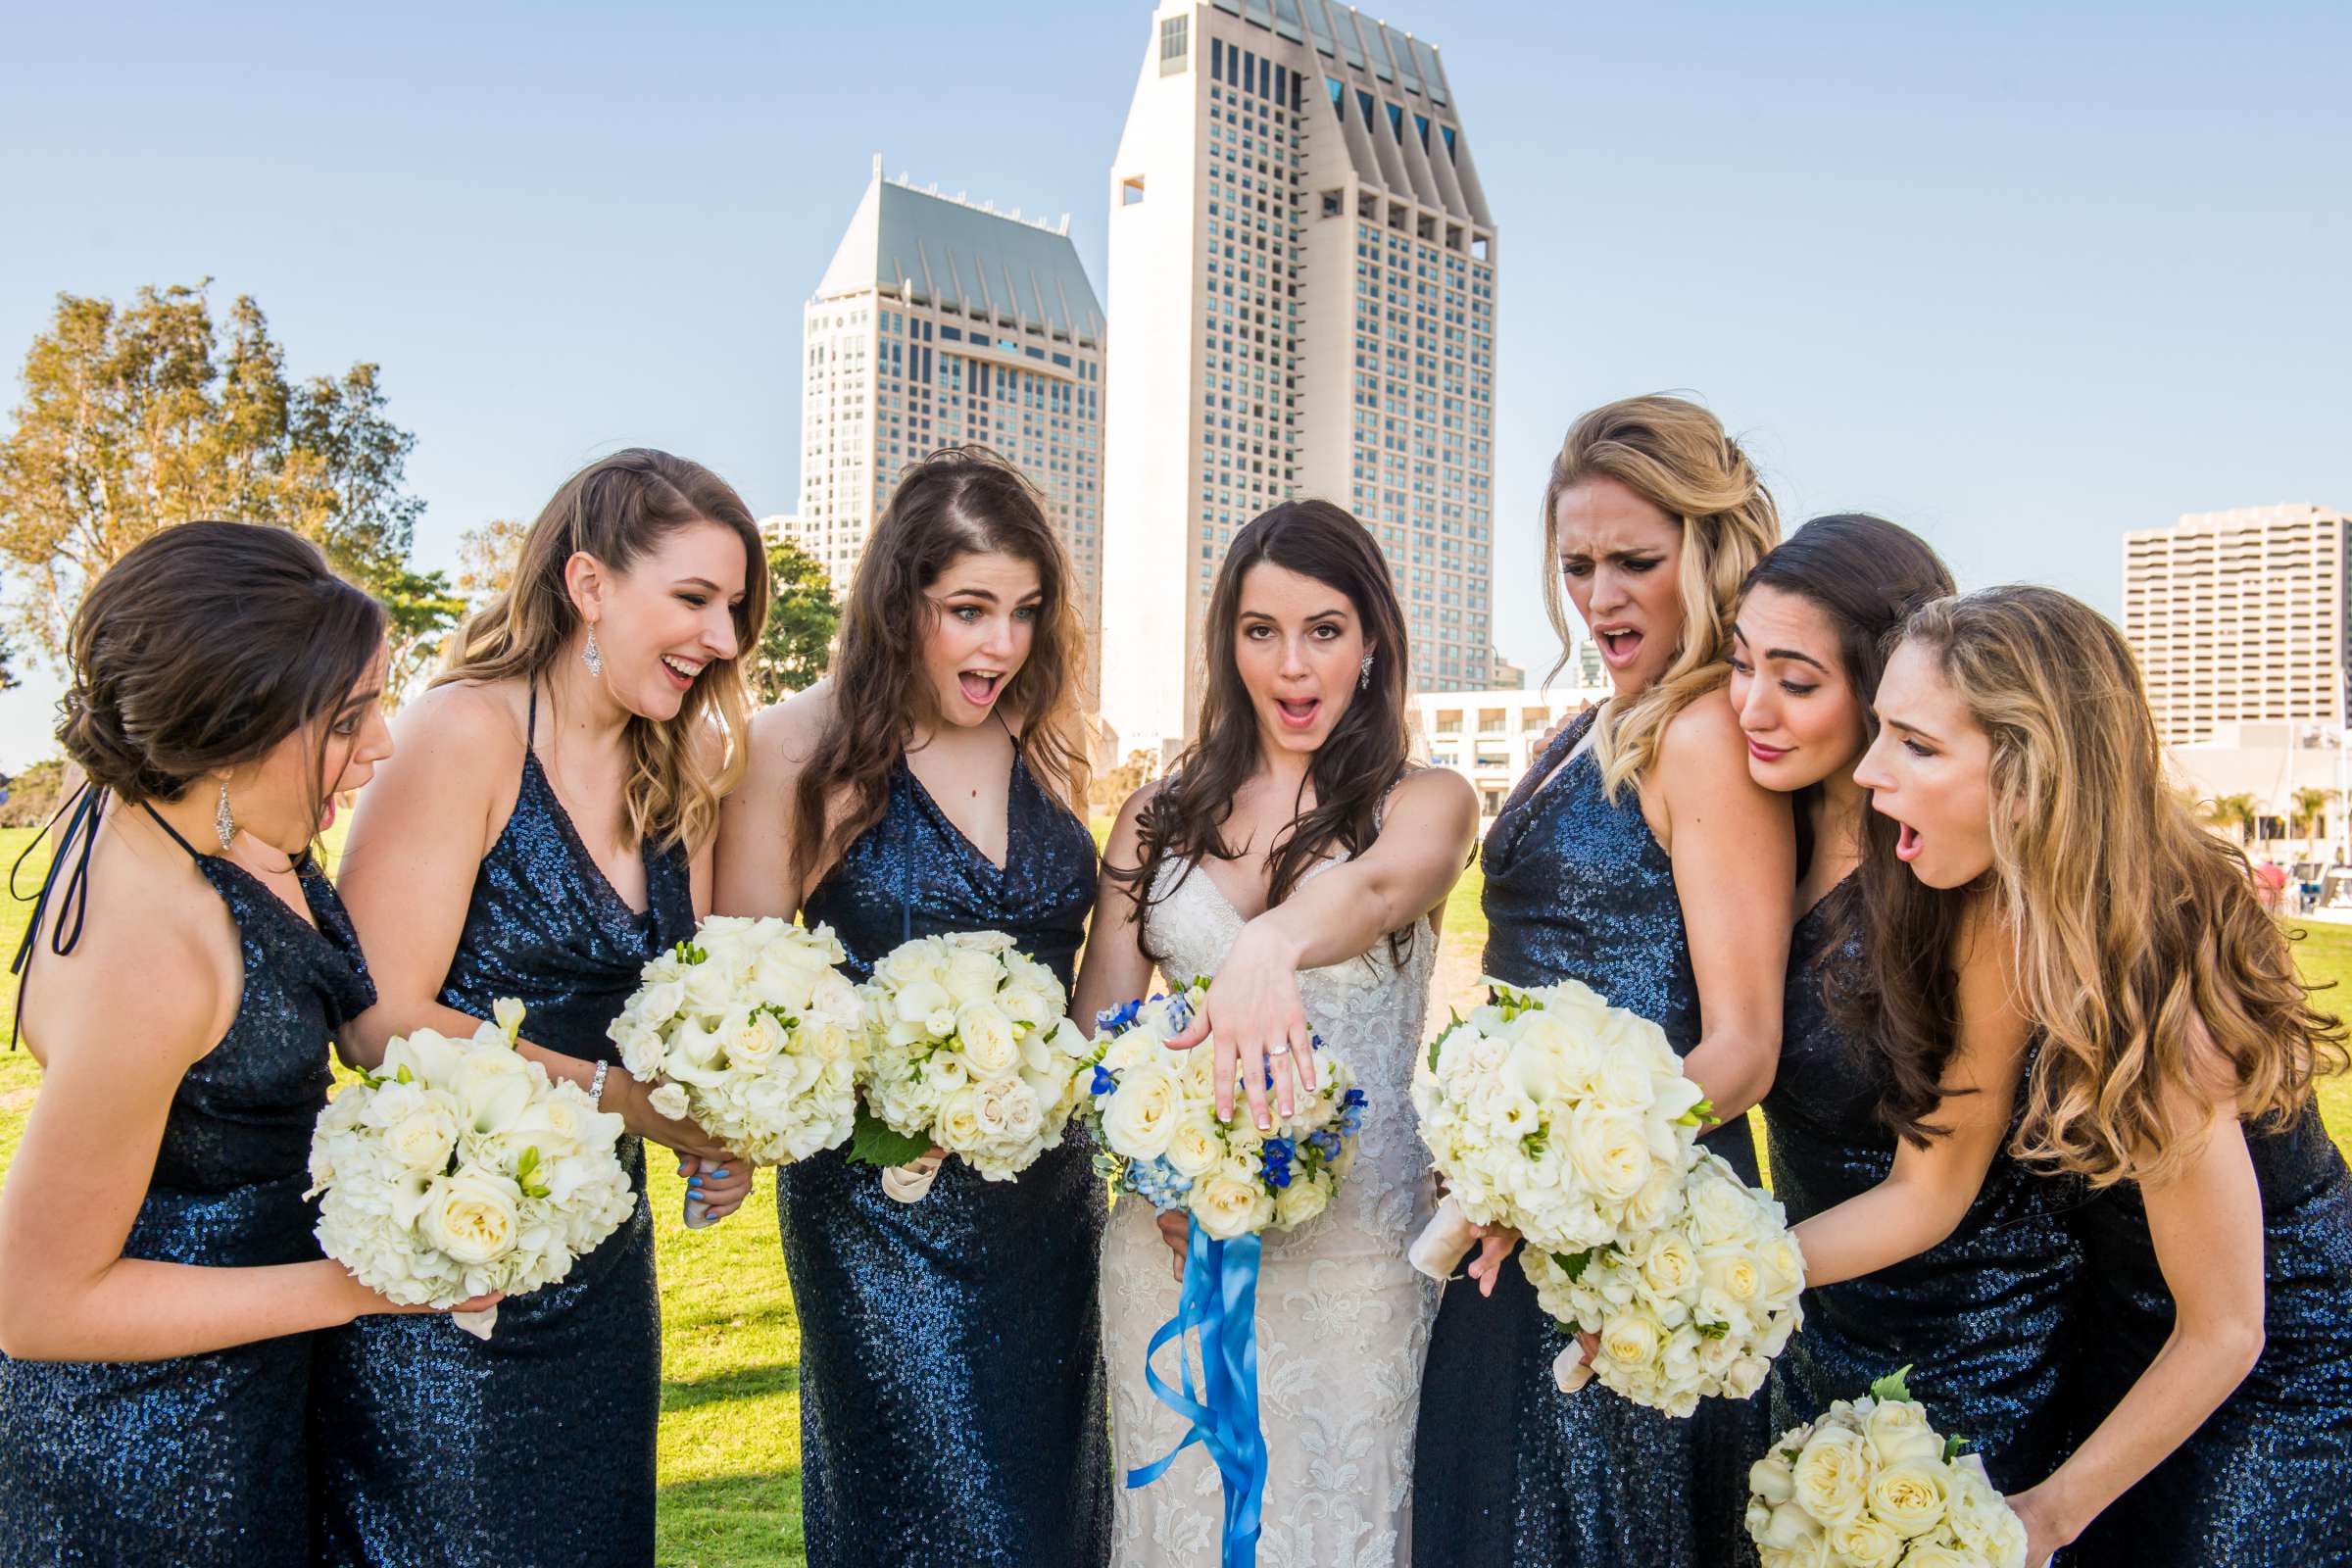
(596,1084)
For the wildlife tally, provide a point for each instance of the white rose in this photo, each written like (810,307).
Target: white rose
(1910,1498)
(1229,1205)
(472,1216)
(754,1041)
(1896,1430)
(1772,1478)
(1866,1542)
(1671,1267)
(1192,1149)
(1745,1375)
(1629,1339)
(1935,1555)
(710,988)
(1789,1529)
(668,1100)
(1832,1476)
(1608,1151)
(986,1035)
(973,976)
(1721,1210)
(1300,1202)
(1140,1121)
(959,1126)
(658,1004)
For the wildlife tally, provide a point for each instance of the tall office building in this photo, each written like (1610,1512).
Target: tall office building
(1302,271)
(2241,616)
(940,323)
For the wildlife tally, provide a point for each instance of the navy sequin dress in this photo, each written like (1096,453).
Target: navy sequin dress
(952,1386)
(1508,1470)
(2263,1480)
(199,1460)
(1987,1320)
(536,1445)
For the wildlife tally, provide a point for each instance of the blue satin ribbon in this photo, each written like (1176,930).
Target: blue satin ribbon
(1219,1298)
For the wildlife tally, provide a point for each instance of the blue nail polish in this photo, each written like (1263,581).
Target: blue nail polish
(720,1175)
(695,1182)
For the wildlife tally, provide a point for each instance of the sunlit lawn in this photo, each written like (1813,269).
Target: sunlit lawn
(730,1408)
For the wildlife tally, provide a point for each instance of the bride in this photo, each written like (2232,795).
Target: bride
(1294,854)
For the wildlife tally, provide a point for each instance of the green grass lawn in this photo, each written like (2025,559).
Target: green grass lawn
(730,1453)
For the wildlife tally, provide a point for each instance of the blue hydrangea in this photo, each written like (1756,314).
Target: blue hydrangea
(1158,1184)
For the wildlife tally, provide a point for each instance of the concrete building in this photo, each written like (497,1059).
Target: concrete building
(1491,737)
(1303,282)
(2240,617)
(938,323)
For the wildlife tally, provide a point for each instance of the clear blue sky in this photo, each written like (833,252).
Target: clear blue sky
(2017,277)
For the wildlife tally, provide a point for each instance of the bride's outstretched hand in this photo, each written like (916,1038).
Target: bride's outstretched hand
(1255,1012)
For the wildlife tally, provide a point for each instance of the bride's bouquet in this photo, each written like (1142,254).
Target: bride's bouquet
(1694,1306)
(1158,1135)
(1554,1113)
(1871,1485)
(750,1031)
(967,1048)
(458,1168)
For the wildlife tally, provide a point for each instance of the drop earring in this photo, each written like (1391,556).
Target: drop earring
(592,656)
(224,821)
(1364,675)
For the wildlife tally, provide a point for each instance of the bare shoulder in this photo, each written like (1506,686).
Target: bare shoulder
(1705,739)
(787,733)
(466,719)
(155,988)
(1437,793)
(1125,844)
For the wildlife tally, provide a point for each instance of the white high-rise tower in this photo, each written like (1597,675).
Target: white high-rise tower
(939,324)
(1302,288)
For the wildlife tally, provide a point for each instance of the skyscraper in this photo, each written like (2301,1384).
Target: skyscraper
(940,323)
(1302,271)
(2241,616)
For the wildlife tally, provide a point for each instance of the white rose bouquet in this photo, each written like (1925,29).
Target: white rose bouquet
(750,1031)
(1158,1135)
(1556,1114)
(1156,1123)
(967,1047)
(1872,1485)
(1696,1304)
(458,1168)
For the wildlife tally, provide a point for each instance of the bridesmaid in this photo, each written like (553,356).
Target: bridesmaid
(1633,857)
(2062,895)
(158,1280)
(547,832)
(951,1391)
(1987,1317)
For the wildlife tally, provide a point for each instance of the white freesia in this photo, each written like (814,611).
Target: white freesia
(1554,1113)
(736,1029)
(1869,1485)
(968,1049)
(461,1168)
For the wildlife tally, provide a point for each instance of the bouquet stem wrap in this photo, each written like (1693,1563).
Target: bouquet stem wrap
(1219,1298)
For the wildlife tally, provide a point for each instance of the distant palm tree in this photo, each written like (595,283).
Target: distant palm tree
(2311,811)
(2233,814)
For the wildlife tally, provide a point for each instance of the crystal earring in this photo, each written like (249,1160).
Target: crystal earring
(224,821)
(592,656)
(1364,675)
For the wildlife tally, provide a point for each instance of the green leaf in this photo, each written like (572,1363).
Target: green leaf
(1711,1331)
(528,1163)
(530,1191)
(1953,1447)
(876,1142)
(1893,1387)
(1453,1022)
(1574,1264)
(1698,1115)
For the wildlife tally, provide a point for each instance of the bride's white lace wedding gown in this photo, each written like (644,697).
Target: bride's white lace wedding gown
(1342,1320)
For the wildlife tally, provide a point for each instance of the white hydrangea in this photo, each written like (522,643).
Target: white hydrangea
(459,1169)
(1696,1304)
(968,1047)
(752,1031)
(1556,1114)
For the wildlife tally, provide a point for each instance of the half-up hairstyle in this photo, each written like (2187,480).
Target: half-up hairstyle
(619,510)
(205,646)
(958,502)
(2137,933)
(1359,763)
(1674,455)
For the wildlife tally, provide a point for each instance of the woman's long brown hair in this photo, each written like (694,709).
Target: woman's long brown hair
(962,501)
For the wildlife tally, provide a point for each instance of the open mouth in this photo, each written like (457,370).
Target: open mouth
(1906,843)
(979,686)
(1618,645)
(327,814)
(1298,712)
(681,674)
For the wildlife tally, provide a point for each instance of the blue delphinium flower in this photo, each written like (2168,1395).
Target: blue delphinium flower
(1326,1143)
(1276,1155)
(1104,1083)
(1119,1017)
